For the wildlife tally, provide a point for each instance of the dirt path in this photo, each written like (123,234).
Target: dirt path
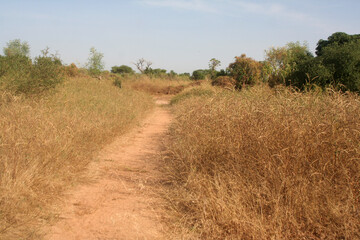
(122,203)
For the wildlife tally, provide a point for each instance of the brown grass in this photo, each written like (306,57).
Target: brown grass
(156,86)
(47,143)
(264,164)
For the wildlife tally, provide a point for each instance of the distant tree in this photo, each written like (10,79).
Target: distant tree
(157,72)
(122,69)
(172,73)
(95,63)
(16,47)
(142,65)
(200,74)
(213,64)
(184,74)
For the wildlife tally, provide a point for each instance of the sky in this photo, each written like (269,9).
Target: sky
(179,35)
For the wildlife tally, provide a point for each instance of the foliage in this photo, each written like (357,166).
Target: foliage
(20,75)
(245,71)
(95,63)
(337,63)
(213,64)
(283,61)
(123,69)
(200,74)
(16,47)
(338,38)
(343,61)
(157,72)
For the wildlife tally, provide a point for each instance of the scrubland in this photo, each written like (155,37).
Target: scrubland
(47,142)
(264,164)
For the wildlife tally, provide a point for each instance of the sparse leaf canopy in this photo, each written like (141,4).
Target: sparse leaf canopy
(16,47)
(95,63)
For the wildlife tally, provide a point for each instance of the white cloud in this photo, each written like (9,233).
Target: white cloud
(228,7)
(279,11)
(194,5)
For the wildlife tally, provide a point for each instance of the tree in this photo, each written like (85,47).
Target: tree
(157,72)
(142,65)
(123,69)
(338,38)
(343,61)
(213,64)
(95,64)
(245,71)
(281,62)
(337,63)
(17,48)
(200,74)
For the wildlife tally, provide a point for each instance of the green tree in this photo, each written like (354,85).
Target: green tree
(17,48)
(213,64)
(123,69)
(200,74)
(245,71)
(338,38)
(95,63)
(343,61)
(282,62)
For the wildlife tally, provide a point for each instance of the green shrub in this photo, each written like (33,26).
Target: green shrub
(200,74)
(20,75)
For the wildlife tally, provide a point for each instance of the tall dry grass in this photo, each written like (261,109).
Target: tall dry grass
(264,164)
(47,143)
(156,86)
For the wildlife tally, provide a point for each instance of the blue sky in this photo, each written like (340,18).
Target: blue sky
(180,35)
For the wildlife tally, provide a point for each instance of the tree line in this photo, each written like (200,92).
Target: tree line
(336,63)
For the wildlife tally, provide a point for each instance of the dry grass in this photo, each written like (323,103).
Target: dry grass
(156,86)
(47,143)
(266,165)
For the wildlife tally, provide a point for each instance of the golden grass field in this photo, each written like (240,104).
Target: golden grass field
(264,164)
(46,143)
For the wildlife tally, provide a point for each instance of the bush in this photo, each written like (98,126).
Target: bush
(200,74)
(19,75)
(245,71)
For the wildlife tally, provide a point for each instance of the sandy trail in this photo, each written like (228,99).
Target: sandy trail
(122,202)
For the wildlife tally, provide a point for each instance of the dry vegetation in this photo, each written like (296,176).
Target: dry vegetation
(46,143)
(265,164)
(156,86)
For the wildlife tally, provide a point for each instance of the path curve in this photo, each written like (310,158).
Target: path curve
(122,202)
